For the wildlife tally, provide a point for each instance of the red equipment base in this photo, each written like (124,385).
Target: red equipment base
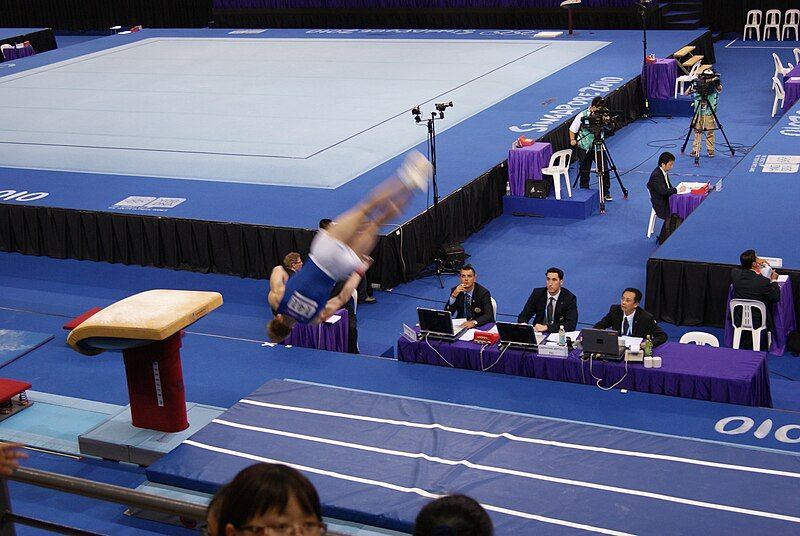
(155,385)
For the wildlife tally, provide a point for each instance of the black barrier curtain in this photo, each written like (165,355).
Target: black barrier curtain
(730,15)
(695,293)
(237,249)
(508,18)
(101,14)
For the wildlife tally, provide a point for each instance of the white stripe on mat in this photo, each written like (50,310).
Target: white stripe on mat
(514,472)
(404,489)
(521,439)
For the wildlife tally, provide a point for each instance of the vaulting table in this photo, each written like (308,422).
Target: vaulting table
(688,371)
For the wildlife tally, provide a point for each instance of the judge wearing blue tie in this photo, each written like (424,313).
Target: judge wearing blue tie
(470,300)
(629,319)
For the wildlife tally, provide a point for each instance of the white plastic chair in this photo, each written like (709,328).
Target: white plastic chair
(780,94)
(791,21)
(773,22)
(687,78)
(700,338)
(559,166)
(494,307)
(651,225)
(780,70)
(746,324)
(796,56)
(3,49)
(753,23)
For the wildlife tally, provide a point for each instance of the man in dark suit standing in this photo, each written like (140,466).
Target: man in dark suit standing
(756,280)
(629,319)
(552,306)
(660,189)
(470,300)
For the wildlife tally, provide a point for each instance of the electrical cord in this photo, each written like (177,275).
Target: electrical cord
(437,352)
(600,380)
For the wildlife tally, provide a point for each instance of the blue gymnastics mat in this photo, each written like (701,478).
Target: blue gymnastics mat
(378,459)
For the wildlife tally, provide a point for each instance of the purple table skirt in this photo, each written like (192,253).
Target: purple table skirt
(366,4)
(18,52)
(782,316)
(688,371)
(333,337)
(792,88)
(684,204)
(661,77)
(527,163)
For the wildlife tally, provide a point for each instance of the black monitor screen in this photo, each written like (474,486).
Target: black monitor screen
(434,321)
(516,333)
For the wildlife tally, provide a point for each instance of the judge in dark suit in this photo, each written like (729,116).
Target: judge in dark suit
(628,318)
(552,306)
(756,280)
(470,300)
(660,189)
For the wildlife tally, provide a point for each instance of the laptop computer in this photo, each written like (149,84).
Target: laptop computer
(602,344)
(436,324)
(517,336)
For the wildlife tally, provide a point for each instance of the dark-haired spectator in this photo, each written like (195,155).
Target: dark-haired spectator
(629,319)
(453,515)
(470,300)
(270,499)
(551,306)
(212,512)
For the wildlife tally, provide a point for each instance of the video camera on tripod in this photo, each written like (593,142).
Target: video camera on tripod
(600,122)
(707,83)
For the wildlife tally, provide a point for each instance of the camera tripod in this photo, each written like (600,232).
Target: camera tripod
(692,128)
(604,163)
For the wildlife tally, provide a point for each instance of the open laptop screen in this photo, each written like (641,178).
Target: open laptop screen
(435,321)
(514,333)
(600,341)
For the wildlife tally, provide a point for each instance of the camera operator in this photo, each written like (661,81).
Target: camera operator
(706,89)
(582,139)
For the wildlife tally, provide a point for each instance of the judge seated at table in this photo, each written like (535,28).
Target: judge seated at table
(756,280)
(470,300)
(661,188)
(551,306)
(629,319)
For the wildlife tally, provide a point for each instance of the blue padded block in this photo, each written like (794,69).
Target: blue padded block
(580,206)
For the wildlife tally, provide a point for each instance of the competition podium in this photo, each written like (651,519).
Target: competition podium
(146,328)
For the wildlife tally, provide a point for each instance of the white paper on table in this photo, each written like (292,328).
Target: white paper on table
(775,262)
(689,186)
(458,323)
(631,343)
(782,278)
(333,319)
(553,337)
(494,329)
(468,335)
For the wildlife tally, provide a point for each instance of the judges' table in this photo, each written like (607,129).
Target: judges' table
(688,371)
(325,336)
(684,204)
(527,163)
(791,85)
(782,316)
(661,75)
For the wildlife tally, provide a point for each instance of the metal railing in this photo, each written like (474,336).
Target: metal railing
(87,488)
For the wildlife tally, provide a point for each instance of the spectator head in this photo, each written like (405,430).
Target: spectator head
(324,223)
(748,259)
(630,300)
(597,102)
(270,496)
(453,515)
(665,158)
(555,278)
(212,512)
(292,262)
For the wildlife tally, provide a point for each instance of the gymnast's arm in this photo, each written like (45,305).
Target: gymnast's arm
(338,301)
(277,286)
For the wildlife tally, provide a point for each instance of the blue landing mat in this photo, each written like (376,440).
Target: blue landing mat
(15,344)
(378,459)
